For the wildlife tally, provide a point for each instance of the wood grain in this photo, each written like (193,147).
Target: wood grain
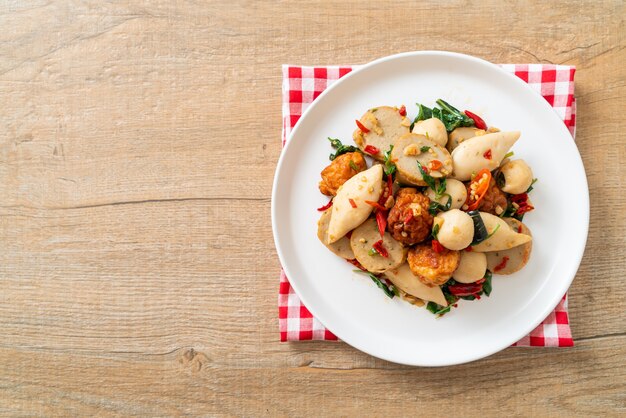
(138,142)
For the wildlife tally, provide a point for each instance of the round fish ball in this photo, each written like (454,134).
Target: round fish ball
(455,189)
(456,229)
(461,134)
(433,129)
(517,176)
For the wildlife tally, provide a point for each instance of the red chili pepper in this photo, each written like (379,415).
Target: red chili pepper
(522,201)
(470,289)
(519,198)
(487,154)
(408,218)
(481,188)
(469,249)
(326,206)
(381,221)
(478,121)
(384,196)
(437,247)
(402,110)
(380,249)
(361,127)
(355,263)
(502,264)
(372,150)
(352,203)
(519,229)
(435,165)
(375,205)
(524,208)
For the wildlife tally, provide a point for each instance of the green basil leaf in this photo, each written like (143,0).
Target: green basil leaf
(494,231)
(450,282)
(382,286)
(438,309)
(394,290)
(450,121)
(441,188)
(453,117)
(438,207)
(335,142)
(340,148)
(447,106)
(428,179)
(500,181)
(450,116)
(390,291)
(487,285)
(423,113)
(448,203)
(435,231)
(509,212)
(390,167)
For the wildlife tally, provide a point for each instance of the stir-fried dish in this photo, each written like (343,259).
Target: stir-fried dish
(436,208)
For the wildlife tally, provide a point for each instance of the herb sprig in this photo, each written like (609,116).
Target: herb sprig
(478,241)
(438,186)
(532,186)
(435,206)
(340,148)
(508,212)
(511,211)
(435,231)
(390,166)
(389,290)
(451,117)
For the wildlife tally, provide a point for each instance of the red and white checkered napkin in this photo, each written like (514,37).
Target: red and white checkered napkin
(302,85)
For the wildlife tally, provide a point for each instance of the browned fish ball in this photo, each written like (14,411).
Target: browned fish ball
(340,170)
(409,220)
(494,201)
(432,268)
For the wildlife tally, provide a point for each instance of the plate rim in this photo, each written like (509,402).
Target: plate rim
(583,203)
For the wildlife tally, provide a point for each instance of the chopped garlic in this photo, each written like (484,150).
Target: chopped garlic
(411,150)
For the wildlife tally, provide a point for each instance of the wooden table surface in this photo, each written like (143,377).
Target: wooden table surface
(138,273)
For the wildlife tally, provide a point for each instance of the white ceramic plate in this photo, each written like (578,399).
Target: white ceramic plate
(349,304)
